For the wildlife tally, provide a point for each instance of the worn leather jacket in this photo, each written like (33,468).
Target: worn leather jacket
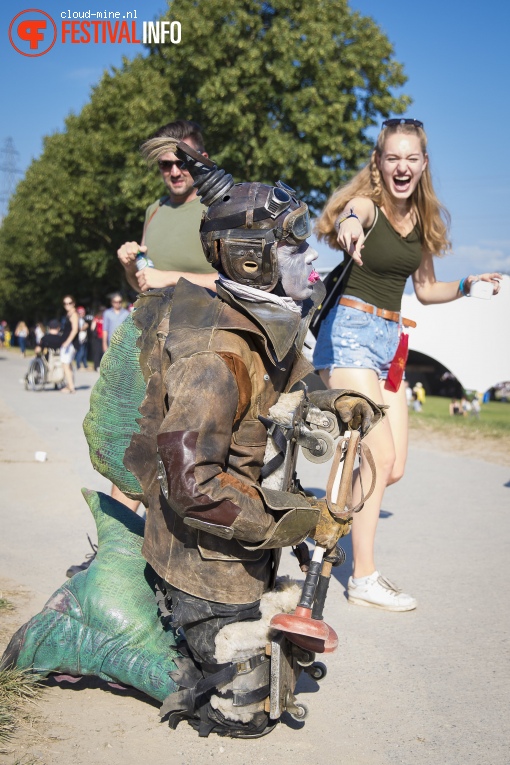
(220,362)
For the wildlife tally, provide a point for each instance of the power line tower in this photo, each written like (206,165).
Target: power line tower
(9,170)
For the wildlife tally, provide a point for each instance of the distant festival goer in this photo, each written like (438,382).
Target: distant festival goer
(21,332)
(69,343)
(81,353)
(96,332)
(360,336)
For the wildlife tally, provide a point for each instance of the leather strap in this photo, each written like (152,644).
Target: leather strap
(382,312)
(342,506)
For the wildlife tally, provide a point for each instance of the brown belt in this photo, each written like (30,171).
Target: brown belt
(382,312)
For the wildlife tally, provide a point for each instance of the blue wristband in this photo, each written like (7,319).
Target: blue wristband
(461,287)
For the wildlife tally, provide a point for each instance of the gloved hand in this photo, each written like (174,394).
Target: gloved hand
(354,409)
(328,529)
(356,412)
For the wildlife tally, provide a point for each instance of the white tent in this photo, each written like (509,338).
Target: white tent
(470,337)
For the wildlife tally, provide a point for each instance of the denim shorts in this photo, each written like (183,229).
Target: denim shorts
(67,354)
(352,339)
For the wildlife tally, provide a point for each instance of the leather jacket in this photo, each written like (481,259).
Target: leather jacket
(211,530)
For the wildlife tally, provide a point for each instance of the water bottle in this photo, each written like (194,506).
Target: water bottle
(143,261)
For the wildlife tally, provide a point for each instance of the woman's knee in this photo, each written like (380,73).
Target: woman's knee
(396,472)
(385,464)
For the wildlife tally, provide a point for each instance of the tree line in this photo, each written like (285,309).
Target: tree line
(283,89)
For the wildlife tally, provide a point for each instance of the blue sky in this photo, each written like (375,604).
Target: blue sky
(455,54)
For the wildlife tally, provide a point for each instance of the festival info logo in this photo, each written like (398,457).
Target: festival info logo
(32,32)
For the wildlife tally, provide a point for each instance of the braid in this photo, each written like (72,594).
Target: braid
(375,179)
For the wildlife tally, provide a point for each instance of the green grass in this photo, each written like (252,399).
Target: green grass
(17,688)
(5,605)
(494,420)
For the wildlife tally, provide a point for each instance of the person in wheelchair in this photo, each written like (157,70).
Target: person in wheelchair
(47,367)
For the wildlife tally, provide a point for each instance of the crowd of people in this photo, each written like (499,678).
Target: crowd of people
(80,335)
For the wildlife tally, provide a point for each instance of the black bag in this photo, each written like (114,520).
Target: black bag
(335,284)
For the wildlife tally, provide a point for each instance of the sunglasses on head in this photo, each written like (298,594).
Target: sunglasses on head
(394,121)
(167,164)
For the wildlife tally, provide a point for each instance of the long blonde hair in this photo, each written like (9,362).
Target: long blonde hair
(433,219)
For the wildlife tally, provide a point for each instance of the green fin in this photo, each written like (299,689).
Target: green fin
(104,621)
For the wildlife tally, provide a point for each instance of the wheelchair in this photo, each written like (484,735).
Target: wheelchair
(42,372)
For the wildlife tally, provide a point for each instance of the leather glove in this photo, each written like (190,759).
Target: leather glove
(328,529)
(354,409)
(356,412)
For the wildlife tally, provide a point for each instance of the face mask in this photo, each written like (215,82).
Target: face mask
(296,271)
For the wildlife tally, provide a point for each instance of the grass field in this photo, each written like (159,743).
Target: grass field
(494,420)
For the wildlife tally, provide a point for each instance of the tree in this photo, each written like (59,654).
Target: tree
(286,89)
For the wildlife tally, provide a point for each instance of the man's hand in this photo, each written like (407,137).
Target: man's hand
(150,278)
(328,530)
(354,409)
(355,412)
(128,252)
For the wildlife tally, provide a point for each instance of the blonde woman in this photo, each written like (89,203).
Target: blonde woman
(70,342)
(21,332)
(389,222)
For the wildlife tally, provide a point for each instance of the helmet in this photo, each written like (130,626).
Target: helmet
(245,222)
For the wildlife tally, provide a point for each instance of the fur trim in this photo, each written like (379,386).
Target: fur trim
(240,640)
(228,710)
(283,413)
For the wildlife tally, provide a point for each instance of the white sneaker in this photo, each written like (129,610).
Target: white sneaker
(379,592)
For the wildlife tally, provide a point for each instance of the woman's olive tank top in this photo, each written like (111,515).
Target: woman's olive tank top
(388,260)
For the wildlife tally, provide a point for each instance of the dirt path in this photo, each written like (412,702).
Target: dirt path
(425,687)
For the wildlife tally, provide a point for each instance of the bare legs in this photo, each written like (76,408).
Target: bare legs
(117,494)
(68,376)
(388,444)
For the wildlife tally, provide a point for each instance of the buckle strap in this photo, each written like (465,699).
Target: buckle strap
(346,452)
(383,313)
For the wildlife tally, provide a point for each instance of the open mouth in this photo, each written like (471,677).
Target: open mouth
(402,182)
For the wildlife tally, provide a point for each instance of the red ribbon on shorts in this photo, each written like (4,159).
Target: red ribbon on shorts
(398,364)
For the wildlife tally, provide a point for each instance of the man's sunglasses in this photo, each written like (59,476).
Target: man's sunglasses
(167,164)
(394,121)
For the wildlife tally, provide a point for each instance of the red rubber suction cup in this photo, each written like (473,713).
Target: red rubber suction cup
(315,644)
(311,634)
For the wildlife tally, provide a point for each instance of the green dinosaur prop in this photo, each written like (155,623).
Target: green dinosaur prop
(114,408)
(103,621)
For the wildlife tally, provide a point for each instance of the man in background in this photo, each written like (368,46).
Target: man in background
(113,318)
(170,234)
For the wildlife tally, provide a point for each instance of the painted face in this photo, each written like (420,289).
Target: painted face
(178,181)
(296,270)
(401,164)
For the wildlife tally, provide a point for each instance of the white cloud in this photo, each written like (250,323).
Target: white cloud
(483,257)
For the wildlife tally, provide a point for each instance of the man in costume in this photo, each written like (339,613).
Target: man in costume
(213,533)
(210,370)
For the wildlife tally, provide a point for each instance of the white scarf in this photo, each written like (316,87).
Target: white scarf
(259,296)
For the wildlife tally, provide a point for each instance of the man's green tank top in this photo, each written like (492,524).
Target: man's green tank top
(388,260)
(172,238)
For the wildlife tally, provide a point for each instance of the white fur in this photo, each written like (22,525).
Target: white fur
(240,640)
(283,413)
(228,710)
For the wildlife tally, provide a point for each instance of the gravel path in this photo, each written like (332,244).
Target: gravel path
(425,687)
